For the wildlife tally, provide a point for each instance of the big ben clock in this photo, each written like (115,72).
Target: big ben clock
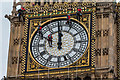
(74,43)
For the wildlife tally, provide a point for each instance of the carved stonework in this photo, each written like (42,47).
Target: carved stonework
(105,32)
(20,59)
(118,40)
(17,24)
(98,52)
(14,60)
(98,33)
(22,40)
(105,15)
(16,41)
(98,16)
(33,66)
(105,51)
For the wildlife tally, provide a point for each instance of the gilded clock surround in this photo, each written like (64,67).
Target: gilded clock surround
(85,63)
(87,50)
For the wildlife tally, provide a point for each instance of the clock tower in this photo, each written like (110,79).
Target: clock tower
(64,40)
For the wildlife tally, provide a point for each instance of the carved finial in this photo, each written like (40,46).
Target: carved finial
(8,17)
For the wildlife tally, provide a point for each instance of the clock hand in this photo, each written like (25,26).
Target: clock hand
(59,37)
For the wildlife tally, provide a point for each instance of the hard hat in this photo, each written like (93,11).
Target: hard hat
(40,28)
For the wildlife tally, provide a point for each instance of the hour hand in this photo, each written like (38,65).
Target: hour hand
(59,37)
(59,40)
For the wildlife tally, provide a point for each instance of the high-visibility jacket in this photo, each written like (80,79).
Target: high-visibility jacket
(22,8)
(79,9)
(68,17)
(50,37)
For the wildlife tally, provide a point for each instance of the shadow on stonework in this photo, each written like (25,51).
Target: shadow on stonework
(87,78)
(67,78)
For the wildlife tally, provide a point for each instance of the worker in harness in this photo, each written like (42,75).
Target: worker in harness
(79,14)
(50,40)
(21,13)
(40,31)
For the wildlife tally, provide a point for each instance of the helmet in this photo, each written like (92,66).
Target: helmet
(40,28)
(80,9)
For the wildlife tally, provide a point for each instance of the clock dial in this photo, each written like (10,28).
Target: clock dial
(67,44)
(74,44)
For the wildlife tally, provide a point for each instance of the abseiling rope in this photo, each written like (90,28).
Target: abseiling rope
(48,68)
(38,45)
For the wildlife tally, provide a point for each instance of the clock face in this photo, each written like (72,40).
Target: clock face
(74,44)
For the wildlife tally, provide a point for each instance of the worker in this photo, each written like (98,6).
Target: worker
(68,20)
(79,14)
(50,40)
(21,13)
(40,31)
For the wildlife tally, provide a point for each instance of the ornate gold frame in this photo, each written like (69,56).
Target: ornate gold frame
(91,29)
(65,66)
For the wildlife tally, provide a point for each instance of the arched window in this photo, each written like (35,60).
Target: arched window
(77,78)
(87,78)
(57,78)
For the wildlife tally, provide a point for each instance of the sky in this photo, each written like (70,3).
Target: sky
(5,8)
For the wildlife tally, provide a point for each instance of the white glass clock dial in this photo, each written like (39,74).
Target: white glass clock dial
(74,44)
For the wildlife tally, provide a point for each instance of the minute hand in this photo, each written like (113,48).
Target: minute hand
(59,37)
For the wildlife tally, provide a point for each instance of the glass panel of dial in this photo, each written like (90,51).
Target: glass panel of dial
(41,51)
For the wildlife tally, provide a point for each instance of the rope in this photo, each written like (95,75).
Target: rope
(38,43)
(48,68)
